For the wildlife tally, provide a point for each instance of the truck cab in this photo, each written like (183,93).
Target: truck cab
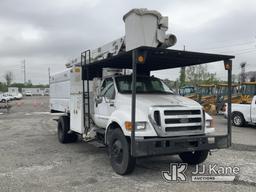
(160,111)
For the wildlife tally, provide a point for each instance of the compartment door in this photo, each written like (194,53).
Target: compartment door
(76,113)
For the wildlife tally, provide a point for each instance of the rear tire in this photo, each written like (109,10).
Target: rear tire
(63,129)
(238,119)
(194,158)
(120,154)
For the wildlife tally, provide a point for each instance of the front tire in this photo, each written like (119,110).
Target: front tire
(238,119)
(194,158)
(120,154)
(63,131)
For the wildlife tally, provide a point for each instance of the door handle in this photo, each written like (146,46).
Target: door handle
(112,105)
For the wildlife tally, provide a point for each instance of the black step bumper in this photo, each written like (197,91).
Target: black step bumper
(175,145)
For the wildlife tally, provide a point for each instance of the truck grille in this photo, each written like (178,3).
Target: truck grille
(179,120)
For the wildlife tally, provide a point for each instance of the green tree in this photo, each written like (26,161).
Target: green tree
(3,87)
(182,76)
(8,76)
(197,74)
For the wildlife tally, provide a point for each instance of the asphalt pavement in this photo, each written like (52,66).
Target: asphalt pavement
(32,159)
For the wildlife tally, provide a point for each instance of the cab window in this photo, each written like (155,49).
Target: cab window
(110,92)
(108,89)
(105,85)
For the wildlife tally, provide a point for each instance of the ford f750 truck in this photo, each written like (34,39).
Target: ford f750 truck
(110,96)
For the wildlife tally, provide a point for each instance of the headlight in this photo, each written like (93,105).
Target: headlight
(139,125)
(208,123)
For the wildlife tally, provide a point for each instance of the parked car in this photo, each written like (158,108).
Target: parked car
(10,95)
(18,96)
(4,98)
(28,93)
(243,113)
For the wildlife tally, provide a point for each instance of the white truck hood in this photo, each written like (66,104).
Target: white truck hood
(148,100)
(145,101)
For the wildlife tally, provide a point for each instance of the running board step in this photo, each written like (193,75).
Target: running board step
(100,130)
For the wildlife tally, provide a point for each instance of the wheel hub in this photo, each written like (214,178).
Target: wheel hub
(237,120)
(117,151)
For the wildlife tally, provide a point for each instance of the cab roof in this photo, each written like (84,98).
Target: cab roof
(226,85)
(249,83)
(206,85)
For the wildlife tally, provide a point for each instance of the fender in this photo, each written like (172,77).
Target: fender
(120,116)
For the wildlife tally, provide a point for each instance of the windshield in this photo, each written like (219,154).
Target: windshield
(248,89)
(206,91)
(224,91)
(185,91)
(143,85)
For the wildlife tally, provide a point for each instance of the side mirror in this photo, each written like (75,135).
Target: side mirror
(98,99)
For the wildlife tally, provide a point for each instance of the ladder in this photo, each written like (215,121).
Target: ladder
(86,59)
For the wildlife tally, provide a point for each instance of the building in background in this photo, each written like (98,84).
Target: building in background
(36,91)
(13,90)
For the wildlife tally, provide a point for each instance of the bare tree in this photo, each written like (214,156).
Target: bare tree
(199,74)
(196,73)
(8,76)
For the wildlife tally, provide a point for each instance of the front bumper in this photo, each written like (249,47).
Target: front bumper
(174,145)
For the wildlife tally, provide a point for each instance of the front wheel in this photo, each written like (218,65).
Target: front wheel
(238,119)
(195,157)
(120,155)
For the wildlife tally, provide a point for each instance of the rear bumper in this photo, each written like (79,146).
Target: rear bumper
(175,145)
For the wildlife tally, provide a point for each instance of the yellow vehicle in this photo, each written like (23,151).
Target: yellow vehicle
(207,97)
(248,90)
(222,95)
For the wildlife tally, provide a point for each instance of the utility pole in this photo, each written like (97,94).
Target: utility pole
(242,75)
(24,70)
(49,76)
(183,73)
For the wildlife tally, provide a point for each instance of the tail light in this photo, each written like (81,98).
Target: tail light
(224,107)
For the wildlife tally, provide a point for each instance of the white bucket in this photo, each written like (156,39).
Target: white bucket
(141,28)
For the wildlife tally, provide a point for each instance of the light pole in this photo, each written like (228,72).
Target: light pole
(24,70)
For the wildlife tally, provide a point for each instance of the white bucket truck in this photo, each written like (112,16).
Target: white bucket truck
(109,96)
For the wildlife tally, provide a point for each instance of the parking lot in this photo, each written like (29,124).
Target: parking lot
(32,159)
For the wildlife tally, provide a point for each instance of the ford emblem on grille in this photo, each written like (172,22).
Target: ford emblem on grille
(184,120)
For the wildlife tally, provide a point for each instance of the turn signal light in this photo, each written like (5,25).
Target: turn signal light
(128,125)
(141,59)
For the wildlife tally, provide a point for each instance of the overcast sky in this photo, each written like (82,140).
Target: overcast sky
(49,33)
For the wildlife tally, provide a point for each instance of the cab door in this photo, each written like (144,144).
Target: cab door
(105,103)
(253,110)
